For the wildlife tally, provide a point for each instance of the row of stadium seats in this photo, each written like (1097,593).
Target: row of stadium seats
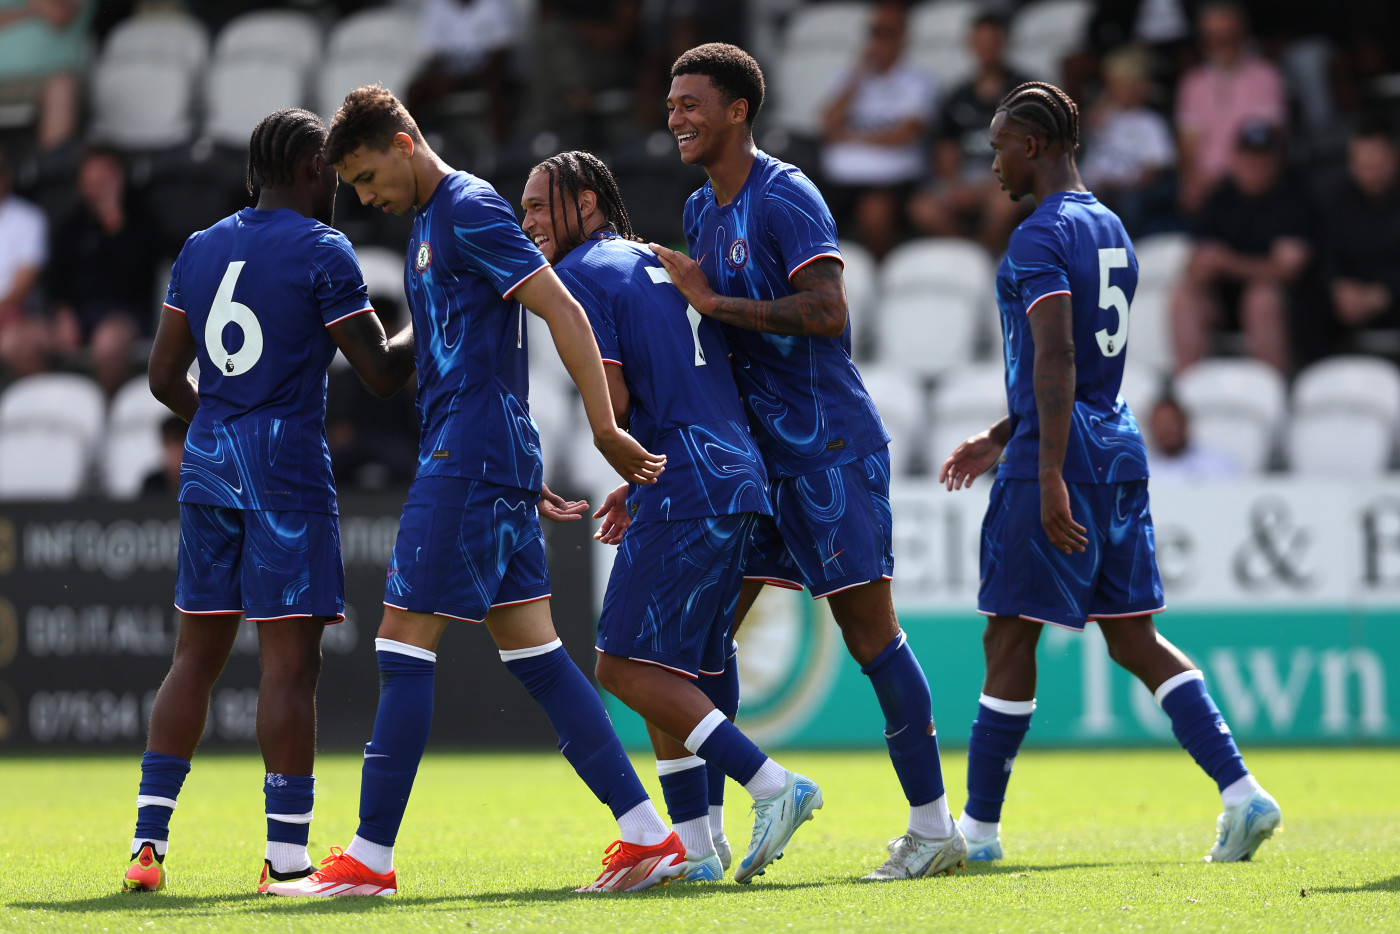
(823,39)
(59,438)
(155,73)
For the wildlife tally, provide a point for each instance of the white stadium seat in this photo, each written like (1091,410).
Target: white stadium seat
(899,395)
(1235,405)
(131,447)
(141,103)
(1344,417)
(175,37)
(860,278)
(378,33)
(1141,388)
(1161,262)
(340,76)
(39,461)
(938,39)
(932,294)
(286,36)
(65,400)
(966,400)
(239,92)
(838,26)
(801,82)
(383,270)
(1044,32)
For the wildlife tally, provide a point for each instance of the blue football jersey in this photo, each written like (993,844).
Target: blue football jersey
(259,289)
(675,363)
(1072,245)
(465,256)
(806,401)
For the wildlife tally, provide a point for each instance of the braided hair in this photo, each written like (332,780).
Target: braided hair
(278,142)
(1045,109)
(577,171)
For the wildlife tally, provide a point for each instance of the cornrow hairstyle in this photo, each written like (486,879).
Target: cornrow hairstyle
(577,171)
(732,70)
(370,116)
(1045,109)
(278,142)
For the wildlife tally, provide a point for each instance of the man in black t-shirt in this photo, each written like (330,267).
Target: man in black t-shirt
(1251,251)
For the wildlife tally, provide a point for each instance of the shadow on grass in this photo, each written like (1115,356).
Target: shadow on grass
(197,905)
(1001,869)
(1380,885)
(682,891)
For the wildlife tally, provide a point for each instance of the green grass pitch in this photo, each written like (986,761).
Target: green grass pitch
(1095,841)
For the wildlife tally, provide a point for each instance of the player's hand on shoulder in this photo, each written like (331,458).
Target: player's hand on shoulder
(1064,533)
(615,517)
(558,509)
(633,463)
(687,276)
(970,460)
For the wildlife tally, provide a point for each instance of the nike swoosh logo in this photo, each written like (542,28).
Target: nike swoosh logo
(833,557)
(376,755)
(897,732)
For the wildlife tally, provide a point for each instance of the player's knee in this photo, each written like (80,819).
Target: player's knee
(1006,641)
(610,675)
(1131,646)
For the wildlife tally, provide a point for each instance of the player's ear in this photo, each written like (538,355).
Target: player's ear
(404,144)
(739,110)
(587,201)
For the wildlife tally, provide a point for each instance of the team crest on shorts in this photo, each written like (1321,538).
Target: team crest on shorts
(424,258)
(739,253)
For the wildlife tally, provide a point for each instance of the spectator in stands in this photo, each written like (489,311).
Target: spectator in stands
(963,198)
(1129,154)
(1251,250)
(1232,87)
(1173,456)
(116,245)
(873,125)
(43,49)
(373,441)
(25,346)
(165,480)
(582,47)
(1162,28)
(1359,242)
(469,44)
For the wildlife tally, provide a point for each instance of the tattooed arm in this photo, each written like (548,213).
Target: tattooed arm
(1052,329)
(816,309)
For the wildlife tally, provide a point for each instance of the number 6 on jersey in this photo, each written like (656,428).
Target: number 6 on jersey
(226,311)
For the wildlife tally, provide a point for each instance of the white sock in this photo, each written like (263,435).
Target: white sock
(287,857)
(160,845)
(932,821)
(695,834)
(767,781)
(1238,792)
(717,821)
(642,825)
(976,829)
(377,859)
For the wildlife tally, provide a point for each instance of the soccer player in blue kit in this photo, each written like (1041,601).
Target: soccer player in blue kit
(262,299)
(1068,533)
(768,269)
(675,583)
(469,544)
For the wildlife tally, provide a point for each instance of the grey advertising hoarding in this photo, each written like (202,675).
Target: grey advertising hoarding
(87,629)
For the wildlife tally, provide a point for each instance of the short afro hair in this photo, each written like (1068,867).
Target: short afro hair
(732,70)
(371,116)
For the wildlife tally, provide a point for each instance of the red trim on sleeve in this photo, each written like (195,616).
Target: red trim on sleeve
(613,362)
(534,272)
(351,315)
(805,263)
(1041,299)
(179,311)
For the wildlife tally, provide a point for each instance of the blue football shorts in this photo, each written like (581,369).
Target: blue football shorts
(674,590)
(830,530)
(265,564)
(1024,575)
(465,546)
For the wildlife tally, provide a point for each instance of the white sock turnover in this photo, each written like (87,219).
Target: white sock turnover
(642,825)
(931,821)
(767,781)
(377,859)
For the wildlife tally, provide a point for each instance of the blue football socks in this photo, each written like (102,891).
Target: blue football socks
(723,692)
(400,736)
(997,733)
(586,735)
(720,743)
(1199,727)
(685,786)
(289,800)
(161,778)
(904,697)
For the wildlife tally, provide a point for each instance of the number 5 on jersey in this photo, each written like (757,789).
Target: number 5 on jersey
(659,275)
(226,311)
(1112,297)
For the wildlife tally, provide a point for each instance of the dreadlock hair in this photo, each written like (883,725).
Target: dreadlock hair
(278,143)
(577,171)
(730,68)
(1045,109)
(370,116)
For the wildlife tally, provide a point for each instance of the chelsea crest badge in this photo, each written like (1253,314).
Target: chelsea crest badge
(424,258)
(739,253)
